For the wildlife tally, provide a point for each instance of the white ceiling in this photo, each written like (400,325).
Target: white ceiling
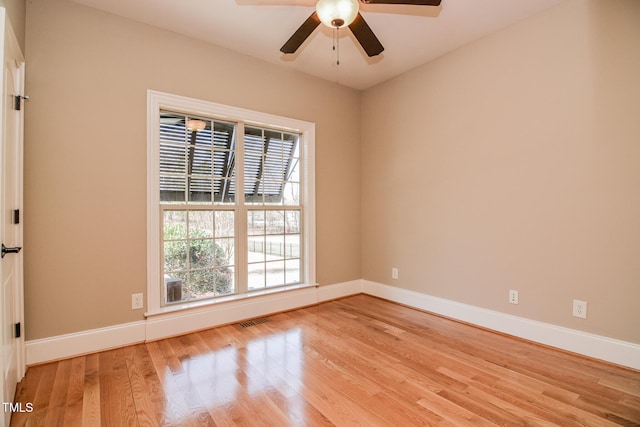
(411,35)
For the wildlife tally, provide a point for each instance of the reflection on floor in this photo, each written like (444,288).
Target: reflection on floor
(228,374)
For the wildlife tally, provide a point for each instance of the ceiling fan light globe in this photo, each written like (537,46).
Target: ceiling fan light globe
(196,125)
(337,13)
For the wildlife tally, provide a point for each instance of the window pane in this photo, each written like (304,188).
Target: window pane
(174,285)
(200,189)
(256,276)
(274,222)
(224,136)
(256,248)
(225,223)
(293,169)
(253,191)
(273,142)
(292,194)
(200,224)
(274,247)
(221,163)
(275,273)
(224,190)
(252,163)
(201,284)
(292,246)
(225,280)
(292,271)
(175,225)
(201,253)
(273,169)
(173,188)
(292,222)
(172,159)
(225,250)
(272,192)
(255,223)
(290,138)
(172,127)
(253,140)
(175,256)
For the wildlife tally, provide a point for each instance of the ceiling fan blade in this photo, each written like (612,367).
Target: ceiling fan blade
(365,36)
(301,34)
(412,2)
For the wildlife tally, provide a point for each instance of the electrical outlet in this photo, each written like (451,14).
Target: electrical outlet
(136,301)
(580,309)
(394,273)
(513,296)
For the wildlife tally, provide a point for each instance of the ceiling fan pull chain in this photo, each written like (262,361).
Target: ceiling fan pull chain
(334,38)
(337,47)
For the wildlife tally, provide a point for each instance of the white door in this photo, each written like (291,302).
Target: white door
(11,277)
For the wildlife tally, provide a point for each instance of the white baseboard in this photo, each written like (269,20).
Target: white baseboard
(78,343)
(591,345)
(170,324)
(165,325)
(182,322)
(339,290)
(177,323)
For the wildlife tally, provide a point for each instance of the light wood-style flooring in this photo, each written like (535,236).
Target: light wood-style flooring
(354,361)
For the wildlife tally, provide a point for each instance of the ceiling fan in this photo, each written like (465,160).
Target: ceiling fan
(342,13)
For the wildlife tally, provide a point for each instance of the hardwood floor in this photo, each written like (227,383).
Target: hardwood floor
(355,361)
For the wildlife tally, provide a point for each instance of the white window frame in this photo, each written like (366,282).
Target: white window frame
(157,101)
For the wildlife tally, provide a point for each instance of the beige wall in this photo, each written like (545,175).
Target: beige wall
(85,156)
(16,10)
(511,163)
(514,163)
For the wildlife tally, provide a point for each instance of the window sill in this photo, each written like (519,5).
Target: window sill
(204,304)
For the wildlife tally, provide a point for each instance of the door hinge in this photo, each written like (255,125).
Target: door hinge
(18,102)
(18,332)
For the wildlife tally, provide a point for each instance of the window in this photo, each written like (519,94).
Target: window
(206,241)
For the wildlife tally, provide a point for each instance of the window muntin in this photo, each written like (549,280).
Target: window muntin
(197,182)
